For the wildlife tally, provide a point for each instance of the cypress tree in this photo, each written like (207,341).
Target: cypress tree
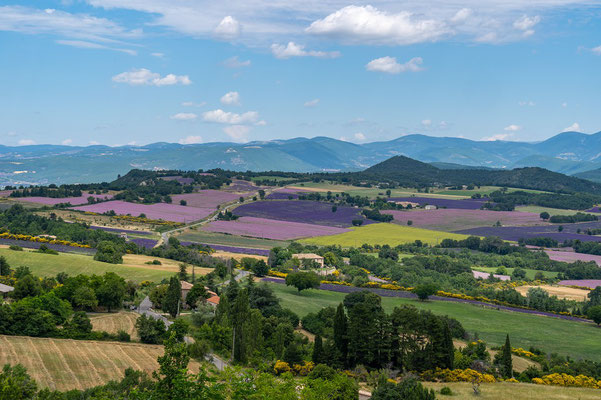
(173,298)
(4,267)
(341,333)
(240,311)
(317,356)
(506,359)
(449,349)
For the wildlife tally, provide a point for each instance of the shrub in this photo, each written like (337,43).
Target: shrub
(446,391)
(15,247)
(123,336)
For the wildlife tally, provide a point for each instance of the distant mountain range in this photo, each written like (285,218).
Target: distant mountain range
(569,153)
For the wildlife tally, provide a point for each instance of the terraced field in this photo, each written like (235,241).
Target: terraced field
(63,364)
(382,233)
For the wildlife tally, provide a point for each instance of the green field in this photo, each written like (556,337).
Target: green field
(576,339)
(485,190)
(74,264)
(373,192)
(271,178)
(229,240)
(529,272)
(382,233)
(551,211)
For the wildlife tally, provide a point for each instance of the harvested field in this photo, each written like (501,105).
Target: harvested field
(206,198)
(448,219)
(115,322)
(589,283)
(513,391)
(559,291)
(64,364)
(270,228)
(164,211)
(237,256)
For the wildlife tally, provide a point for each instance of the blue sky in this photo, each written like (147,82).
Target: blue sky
(122,72)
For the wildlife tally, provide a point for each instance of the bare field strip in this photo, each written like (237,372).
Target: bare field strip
(115,322)
(65,364)
(563,292)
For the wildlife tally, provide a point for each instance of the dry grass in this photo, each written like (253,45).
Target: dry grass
(562,292)
(139,260)
(64,364)
(519,363)
(237,256)
(115,322)
(513,391)
(98,220)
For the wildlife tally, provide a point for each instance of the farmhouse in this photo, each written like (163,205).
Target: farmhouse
(186,286)
(404,203)
(310,257)
(430,207)
(4,289)
(213,299)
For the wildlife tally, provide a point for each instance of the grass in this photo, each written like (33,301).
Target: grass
(271,178)
(484,190)
(514,391)
(115,322)
(529,272)
(74,264)
(551,211)
(63,364)
(576,339)
(229,240)
(382,233)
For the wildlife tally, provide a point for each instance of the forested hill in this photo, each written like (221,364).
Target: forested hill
(406,171)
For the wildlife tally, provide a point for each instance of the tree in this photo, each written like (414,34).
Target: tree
(260,268)
(407,389)
(239,313)
(151,331)
(341,334)
(157,295)
(183,272)
(594,313)
(545,215)
(425,290)
(261,194)
(28,286)
(84,298)
(4,267)
(173,297)
(109,252)
(80,325)
(303,280)
(16,384)
(178,329)
(111,292)
(317,356)
(197,292)
(183,202)
(518,274)
(506,361)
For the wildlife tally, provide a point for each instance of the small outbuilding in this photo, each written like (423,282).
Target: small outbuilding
(5,289)
(310,257)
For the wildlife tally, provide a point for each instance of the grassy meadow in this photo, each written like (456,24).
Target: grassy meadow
(576,339)
(133,267)
(551,211)
(529,272)
(229,240)
(382,233)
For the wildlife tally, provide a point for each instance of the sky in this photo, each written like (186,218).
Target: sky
(133,72)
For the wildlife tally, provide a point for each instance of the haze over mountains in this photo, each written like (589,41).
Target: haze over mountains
(570,153)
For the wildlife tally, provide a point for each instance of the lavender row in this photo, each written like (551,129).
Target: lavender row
(464,204)
(527,232)
(58,247)
(117,230)
(142,242)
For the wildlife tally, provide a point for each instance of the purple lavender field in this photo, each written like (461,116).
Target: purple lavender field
(205,198)
(75,201)
(179,179)
(117,230)
(464,204)
(570,257)
(589,283)
(164,211)
(448,219)
(525,232)
(310,212)
(58,247)
(142,242)
(270,228)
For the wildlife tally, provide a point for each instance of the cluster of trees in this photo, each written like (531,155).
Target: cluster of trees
(575,201)
(227,216)
(48,191)
(488,244)
(570,219)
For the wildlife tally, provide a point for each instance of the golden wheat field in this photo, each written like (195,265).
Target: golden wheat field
(115,322)
(65,364)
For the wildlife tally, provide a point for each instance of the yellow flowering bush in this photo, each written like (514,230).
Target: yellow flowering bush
(457,375)
(522,353)
(337,283)
(277,274)
(304,369)
(41,239)
(281,367)
(558,379)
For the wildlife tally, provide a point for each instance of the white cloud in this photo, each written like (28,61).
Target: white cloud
(143,76)
(261,123)
(359,136)
(158,55)
(54,22)
(512,128)
(67,142)
(500,136)
(367,24)
(597,50)
(82,44)
(193,104)
(526,103)
(235,62)
(231,99)
(238,133)
(296,50)
(391,66)
(311,103)
(184,116)
(575,127)
(222,117)
(93,143)
(525,23)
(191,140)
(228,28)
(26,142)
(426,122)
(564,104)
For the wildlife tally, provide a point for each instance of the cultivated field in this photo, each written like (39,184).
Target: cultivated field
(199,236)
(560,291)
(382,233)
(97,220)
(115,322)
(164,211)
(64,364)
(133,267)
(576,339)
(513,391)
(530,273)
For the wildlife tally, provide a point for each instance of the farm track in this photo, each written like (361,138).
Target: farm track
(64,364)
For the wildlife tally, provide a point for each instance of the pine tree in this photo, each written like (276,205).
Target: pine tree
(240,311)
(173,298)
(317,356)
(506,360)
(341,333)
(4,267)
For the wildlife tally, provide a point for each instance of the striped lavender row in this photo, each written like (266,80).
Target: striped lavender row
(570,256)
(409,295)
(58,247)
(589,283)
(117,230)
(74,201)
(142,242)
(516,233)
(464,204)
